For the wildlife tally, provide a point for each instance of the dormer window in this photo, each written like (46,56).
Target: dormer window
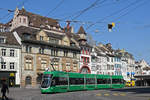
(27,36)
(41,50)
(53,40)
(2,40)
(72,44)
(46,21)
(41,38)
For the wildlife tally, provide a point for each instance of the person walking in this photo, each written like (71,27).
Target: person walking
(4,89)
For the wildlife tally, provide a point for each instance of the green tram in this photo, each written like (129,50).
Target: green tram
(57,81)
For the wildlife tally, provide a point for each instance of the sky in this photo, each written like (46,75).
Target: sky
(131,18)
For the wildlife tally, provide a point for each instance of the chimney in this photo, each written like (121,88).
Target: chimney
(100,44)
(108,45)
(72,29)
(68,25)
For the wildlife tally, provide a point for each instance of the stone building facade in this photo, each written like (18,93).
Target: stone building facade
(44,45)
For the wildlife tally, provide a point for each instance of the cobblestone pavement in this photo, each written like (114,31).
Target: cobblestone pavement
(110,94)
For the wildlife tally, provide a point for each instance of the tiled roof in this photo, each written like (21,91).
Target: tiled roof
(23,29)
(1,24)
(146,68)
(72,35)
(32,31)
(85,45)
(81,30)
(4,25)
(10,39)
(36,20)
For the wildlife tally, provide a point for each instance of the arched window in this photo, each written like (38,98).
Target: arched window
(85,70)
(28,80)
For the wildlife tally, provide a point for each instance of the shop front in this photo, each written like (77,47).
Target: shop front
(9,77)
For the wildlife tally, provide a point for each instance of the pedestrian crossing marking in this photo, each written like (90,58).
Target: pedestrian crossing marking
(98,94)
(106,94)
(115,94)
(123,94)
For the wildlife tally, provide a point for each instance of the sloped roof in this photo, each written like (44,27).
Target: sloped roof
(123,53)
(146,68)
(32,31)
(38,20)
(10,39)
(81,30)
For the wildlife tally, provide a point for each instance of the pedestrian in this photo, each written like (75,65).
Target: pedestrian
(4,89)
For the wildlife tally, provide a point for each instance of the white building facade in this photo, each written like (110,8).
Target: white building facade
(10,59)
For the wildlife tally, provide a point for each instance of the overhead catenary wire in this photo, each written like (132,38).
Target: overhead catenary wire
(60,3)
(86,9)
(22,3)
(100,4)
(129,11)
(114,13)
(80,12)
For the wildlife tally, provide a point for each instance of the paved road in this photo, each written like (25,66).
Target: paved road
(111,94)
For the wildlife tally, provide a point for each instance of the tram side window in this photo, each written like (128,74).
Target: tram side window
(108,81)
(116,81)
(60,80)
(90,80)
(102,81)
(76,81)
(122,81)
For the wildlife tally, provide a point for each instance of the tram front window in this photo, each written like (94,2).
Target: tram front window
(46,81)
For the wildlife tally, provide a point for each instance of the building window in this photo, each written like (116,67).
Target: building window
(68,66)
(65,42)
(12,53)
(2,40)
(111,59)
(43,64)
(108,67)
(24,20)
(87,60)
(74,55)
(74,66)
(65,53)
(41,38)
(20,20)
(3,52)
(54,52)
(27,36)
(82,51)
(3,65)
(28,49)
(41,50)
(72,44)
(112,67)
(84,59)
(53,40)
(107,59)
(56,65)
(28,64)
(86,52)
(12,65)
